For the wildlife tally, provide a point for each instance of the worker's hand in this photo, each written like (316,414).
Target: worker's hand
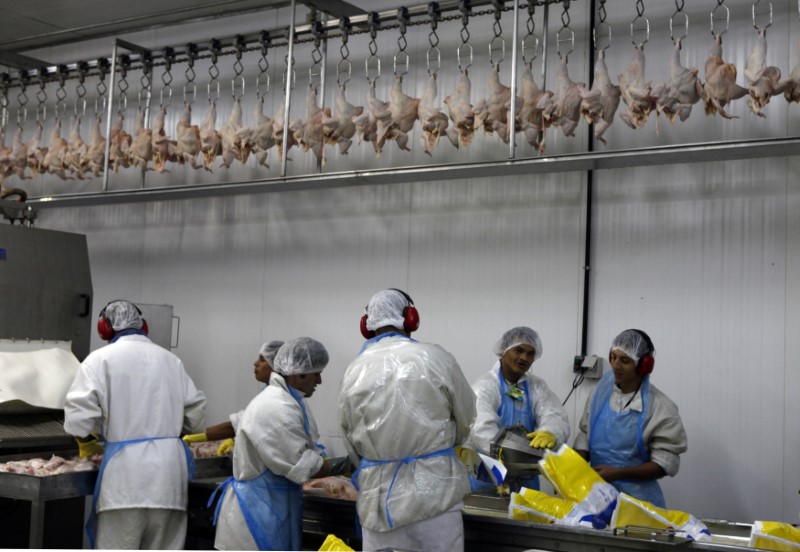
(225,448)
(542,439)
(195,438)
(89,448)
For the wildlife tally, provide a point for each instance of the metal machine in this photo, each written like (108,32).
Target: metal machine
(47,297)
(512,447)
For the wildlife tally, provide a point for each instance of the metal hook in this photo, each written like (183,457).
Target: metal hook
(237,80)
(601,31)
(434,55)
(168,90)
(469,55)
(377,63)
(672,20)
(715,17)
(502,43)
(100,105)
(402,56)
(767,26)
(189,88)
(343,67)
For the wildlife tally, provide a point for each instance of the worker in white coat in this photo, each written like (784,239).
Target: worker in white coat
(403,407)
(226,431)
(275,453)
(140,398)
(510,395)
(630,431)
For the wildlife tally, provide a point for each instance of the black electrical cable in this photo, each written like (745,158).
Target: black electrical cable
(575,383)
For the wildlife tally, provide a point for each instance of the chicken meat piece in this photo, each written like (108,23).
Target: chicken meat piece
(53,162)
(720,88)
(229,135)
(492,113)
(121,142)
(293,132)
(96,150)
(163,147)
(188,143)
(262,135)
(35,151)
(565,110)
(791,84)
(366,129)
(141,152)
(341,128)
(461,113)
(210,139)
(75,157)
(16,157)
(431,119)
(529,117)
(684,89)
(381,113)
(313,136)
(403,108)
(599,104)
(764,82)
(636,93)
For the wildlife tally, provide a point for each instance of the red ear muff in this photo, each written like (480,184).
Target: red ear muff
(104,328)
(368,334)
(410,319)
(145,329)
(646,364)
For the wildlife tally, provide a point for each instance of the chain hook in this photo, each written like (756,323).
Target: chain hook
(636,25)
(565,33)
(433,57)
(124,65)
(755,14)
(464,8)
(263,63)
(498,31)
(190,88)
(344,67)
(720,13)
(212,89)
(602,30)
(41,96)
(401,57)
(373,22)
(678,12)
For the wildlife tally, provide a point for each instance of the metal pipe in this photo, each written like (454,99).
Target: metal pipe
(545,22)
(639,157)
(289,64)
(321,95)
(512,119)
(111,85)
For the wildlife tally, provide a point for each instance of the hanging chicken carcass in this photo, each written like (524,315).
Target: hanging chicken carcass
(96,150)
(141,152)
(188,142)
(720,88)
(34,151)
(530,118)
(599,104)
(684,89)
(163,147)
(120,147)
(75,157)
(230,137)
(764,81)
(313,136)
(53,162)
(262,137)
(341,128)
(492,113)
(565,111)
(636,93)
(432,120)
(210,139)
(460,111)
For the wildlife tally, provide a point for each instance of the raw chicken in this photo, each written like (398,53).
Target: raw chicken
(684,89)
(39,467)
(601,102)
(460,110)
(262,135)
(380,112)
(96,151)
(791,85)
(313,136)
(141,152)
(341,128)
(534,101)
(75,157)
(565,110)
(367,127)
(492,113)
(636,93)
(53,161)
(333,487)
(764,82)
(295,130)
(34,151)
(228,134)
(121,142)
(403,108)
(720,87)
(210,139)
(163,147)
(188,143)
(432,120)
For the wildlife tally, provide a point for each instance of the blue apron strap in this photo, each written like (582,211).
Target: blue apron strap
(219,491)
(110,449)
(366,463)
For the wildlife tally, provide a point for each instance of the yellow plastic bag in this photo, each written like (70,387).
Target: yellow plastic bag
(634,512)
(574,479)
(332,542)
(533,505)
(775,535)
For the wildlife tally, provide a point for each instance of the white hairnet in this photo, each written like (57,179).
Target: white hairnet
(269,350)
(521,335)
(123,315)
(386,309)
(302,355)
(633,344)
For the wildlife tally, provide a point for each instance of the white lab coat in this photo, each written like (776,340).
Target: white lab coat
(549,414)
(134,389)
(663,432)
(400,398)
(270,436)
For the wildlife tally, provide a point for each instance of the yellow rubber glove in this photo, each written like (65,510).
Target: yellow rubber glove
(195,438)
(542,439)
(226,447)
(90,448)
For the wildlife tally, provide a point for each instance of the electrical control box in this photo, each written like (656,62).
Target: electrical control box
(590,366)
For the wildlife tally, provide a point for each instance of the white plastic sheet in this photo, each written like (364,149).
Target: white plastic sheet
(38,373)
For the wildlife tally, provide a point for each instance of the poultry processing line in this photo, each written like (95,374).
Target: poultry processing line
(534,112)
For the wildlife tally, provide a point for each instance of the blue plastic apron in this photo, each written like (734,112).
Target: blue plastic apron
(272,506)
(514,412)
(615,439)
(366,463)
(112,448)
